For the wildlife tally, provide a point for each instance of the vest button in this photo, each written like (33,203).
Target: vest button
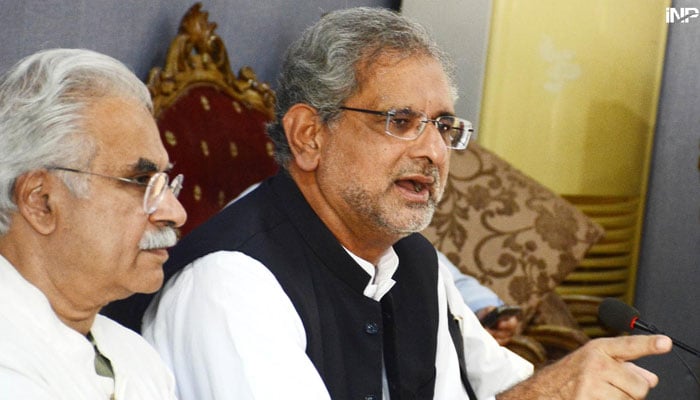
(371,397)
(371,328)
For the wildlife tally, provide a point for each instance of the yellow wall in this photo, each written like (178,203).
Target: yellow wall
(570,98)
(571,91)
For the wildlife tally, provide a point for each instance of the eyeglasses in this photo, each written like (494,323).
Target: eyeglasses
(409,125)
(155,186)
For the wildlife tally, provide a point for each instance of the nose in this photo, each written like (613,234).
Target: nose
(170,211)
(431,145)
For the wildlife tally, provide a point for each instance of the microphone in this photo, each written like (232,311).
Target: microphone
(619,317)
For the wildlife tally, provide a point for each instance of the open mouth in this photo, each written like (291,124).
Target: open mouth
(411,185)
(416,188)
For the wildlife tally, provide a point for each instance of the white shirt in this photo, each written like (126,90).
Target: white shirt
(41,358)
(229,331)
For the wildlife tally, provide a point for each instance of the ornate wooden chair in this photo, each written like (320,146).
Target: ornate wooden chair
(213,126)
(211,121)
(518,238)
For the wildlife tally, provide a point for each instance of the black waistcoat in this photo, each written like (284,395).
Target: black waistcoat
(347,333)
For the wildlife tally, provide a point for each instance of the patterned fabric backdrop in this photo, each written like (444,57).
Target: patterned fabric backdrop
(510,232)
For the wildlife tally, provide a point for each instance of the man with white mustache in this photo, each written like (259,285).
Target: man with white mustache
(162,238)
(87,213)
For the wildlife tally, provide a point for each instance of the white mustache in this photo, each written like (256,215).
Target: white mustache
(161,238)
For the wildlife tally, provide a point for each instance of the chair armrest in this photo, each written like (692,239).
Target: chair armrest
(557,340)
(529,349)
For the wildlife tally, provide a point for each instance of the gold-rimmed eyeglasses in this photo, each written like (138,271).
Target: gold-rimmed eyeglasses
(155,186)
(408,124)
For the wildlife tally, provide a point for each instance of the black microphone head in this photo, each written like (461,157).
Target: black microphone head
(616,315)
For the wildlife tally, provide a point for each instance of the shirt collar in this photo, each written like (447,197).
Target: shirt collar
(380,281)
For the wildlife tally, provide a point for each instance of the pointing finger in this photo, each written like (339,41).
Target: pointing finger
(627,348)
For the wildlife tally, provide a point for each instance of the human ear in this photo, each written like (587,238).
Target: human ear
(303,130)
(32,196)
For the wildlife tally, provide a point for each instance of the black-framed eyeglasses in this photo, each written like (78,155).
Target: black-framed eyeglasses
(155,186)
(409,125)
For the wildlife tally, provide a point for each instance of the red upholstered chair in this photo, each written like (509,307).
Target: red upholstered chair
(213,126)
(211,121)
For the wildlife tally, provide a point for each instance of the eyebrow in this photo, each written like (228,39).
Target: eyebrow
(411,109)
(445,113)
(146,165)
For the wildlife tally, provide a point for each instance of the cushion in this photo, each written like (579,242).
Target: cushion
(507,230)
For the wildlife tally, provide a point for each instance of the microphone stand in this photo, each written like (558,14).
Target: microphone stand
(649,328)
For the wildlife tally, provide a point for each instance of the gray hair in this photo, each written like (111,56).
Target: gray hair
(321,67)
(43,99)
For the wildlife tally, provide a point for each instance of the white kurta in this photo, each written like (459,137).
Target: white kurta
(229,331)
(43,359)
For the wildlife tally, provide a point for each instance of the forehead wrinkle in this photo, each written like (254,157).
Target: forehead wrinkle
(385,102)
